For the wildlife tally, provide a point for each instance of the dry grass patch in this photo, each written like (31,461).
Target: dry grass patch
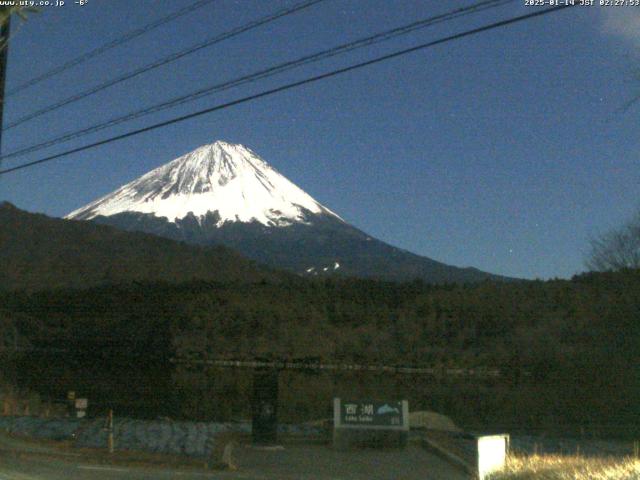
(560,467)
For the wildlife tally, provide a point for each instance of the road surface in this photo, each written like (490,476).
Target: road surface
(24,460)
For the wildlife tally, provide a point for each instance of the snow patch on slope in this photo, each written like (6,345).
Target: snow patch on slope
(313,271)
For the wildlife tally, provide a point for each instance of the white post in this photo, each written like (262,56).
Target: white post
(492,454)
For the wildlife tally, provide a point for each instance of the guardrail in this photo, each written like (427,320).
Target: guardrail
(294,365)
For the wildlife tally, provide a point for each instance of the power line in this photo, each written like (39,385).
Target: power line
(165,60)
(108,46)
(262,74)
(384,36)
(292,85)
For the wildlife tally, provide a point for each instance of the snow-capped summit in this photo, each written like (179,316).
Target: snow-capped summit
(221,177)
(224,194)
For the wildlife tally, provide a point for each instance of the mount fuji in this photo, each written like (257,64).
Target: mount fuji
(224,193)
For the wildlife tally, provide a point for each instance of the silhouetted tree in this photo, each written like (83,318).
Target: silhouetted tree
(618,249)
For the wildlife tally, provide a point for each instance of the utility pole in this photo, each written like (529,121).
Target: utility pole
(4,53)
(109,428)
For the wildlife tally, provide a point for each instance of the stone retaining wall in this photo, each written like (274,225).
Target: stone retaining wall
(159,436)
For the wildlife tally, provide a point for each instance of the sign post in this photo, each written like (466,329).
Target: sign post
(110,444)
(370,423)
(71,403)
(265,407)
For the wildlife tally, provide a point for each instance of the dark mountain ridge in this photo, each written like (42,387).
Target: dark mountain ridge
(322,245)
(39,252)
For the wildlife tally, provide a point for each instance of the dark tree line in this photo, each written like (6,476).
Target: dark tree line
(562,347)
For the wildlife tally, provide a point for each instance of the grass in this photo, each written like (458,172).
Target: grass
(562,467)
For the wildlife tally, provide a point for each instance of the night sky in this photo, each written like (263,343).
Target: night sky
(506,151)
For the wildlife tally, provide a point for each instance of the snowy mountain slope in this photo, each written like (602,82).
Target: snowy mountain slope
(220,177)
(224,194)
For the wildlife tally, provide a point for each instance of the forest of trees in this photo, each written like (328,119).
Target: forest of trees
(515,324)
(576,339)
(97,297)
